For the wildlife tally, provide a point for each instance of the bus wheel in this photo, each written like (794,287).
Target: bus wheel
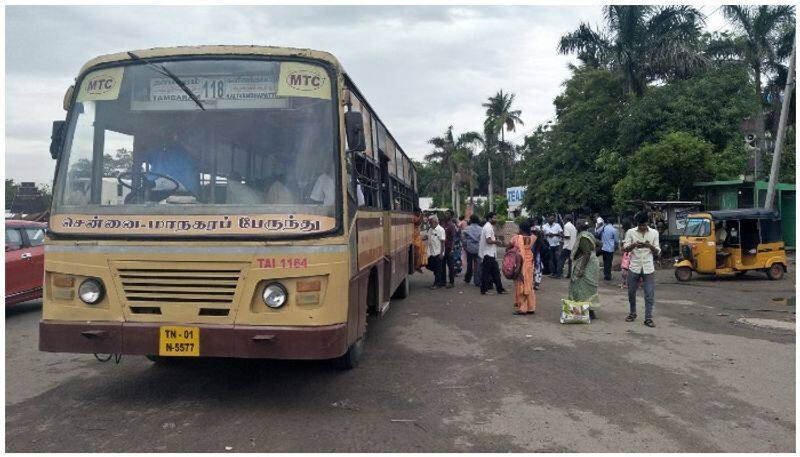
(403,289)
(683,274)
(775,272)
(350,358)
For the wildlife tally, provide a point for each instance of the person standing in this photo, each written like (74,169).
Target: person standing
(487,251)
(420,257)
(607,235)
(471,239)
(642,243)
(449,245)
(435,238)
(553,233)
(585,269)
(544,252)
(524,295)
(538,248)
(570,237)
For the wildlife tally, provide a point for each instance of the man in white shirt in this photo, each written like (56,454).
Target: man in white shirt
(487,251)
(553,234)
(642,243)
(570,237)
(434,241)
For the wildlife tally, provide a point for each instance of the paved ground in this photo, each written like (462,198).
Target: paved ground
(446,371)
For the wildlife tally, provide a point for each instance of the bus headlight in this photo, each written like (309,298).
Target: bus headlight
(91,291)
(274,295)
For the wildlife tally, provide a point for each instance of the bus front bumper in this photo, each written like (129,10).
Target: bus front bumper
(136,338)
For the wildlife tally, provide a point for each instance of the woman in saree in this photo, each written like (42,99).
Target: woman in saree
(585,269)
(524,295)
(420,257)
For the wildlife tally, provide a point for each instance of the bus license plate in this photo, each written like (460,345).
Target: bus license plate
(179,341)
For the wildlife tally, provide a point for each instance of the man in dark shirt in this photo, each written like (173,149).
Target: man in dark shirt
(449,241)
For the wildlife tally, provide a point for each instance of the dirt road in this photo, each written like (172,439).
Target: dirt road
(446,370)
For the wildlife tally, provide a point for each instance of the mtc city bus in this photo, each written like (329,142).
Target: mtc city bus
(226,201)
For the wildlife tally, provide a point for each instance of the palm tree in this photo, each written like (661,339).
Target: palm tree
(444,150)
(764,38)
(642,43)
(465,164)
(499,118)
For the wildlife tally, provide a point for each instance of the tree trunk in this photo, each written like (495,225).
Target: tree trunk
(760,129)
(452,186)
(489,161)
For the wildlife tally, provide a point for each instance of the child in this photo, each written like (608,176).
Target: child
(625,267)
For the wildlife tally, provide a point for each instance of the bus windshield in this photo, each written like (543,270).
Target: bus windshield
(201,146)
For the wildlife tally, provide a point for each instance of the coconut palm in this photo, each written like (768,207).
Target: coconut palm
(642,43)
(499,118)
(444,148)
(763,40)
(465,163)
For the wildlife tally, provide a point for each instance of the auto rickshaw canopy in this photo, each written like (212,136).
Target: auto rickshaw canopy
(736,214)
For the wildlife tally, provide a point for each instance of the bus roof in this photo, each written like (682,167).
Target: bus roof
(216,50)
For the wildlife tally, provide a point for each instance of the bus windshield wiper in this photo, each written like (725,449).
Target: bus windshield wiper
(162,70)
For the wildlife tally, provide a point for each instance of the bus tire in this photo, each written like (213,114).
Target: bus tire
(775,272)
(403,289)
(350,358)
(683,274)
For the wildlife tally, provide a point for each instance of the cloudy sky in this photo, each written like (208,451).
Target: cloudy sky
(422,68)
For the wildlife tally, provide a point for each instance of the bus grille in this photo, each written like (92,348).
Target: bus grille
(153,289)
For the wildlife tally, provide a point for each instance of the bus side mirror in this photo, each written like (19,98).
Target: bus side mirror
(57,138)
(354,128)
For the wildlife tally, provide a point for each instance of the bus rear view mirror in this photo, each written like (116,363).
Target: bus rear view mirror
(57,138)
(354,128)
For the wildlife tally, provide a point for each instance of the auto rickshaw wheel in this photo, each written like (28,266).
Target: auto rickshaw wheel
(683,274)
(775,272)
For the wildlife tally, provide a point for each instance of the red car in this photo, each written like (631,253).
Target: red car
(24,260)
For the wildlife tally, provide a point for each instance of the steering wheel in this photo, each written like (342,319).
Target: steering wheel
(135,191)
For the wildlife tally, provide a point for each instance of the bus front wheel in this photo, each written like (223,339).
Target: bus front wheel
(350,358)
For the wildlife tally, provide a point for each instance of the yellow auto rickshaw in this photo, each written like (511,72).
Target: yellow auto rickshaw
(732,242)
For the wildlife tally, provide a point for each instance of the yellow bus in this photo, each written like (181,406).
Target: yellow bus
(223,201)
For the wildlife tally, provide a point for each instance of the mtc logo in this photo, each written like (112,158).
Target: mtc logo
(304,80)
(100,84)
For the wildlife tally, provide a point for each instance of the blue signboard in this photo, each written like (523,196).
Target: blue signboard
(514,195)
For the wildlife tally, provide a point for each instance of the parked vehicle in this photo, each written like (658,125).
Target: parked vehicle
(24,260)
(732,242)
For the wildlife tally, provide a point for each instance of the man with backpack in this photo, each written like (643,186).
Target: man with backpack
(471,239)
(487,251)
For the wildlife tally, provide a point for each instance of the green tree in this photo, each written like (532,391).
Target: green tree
(11,191)
(559,159)
(666,170)
(443,152)
(499,117)
(787,168)
(641,43)
(762,40)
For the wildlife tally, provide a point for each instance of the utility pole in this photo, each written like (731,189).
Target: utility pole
(776,156)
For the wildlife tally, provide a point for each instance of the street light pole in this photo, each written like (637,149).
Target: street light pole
(776,156)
